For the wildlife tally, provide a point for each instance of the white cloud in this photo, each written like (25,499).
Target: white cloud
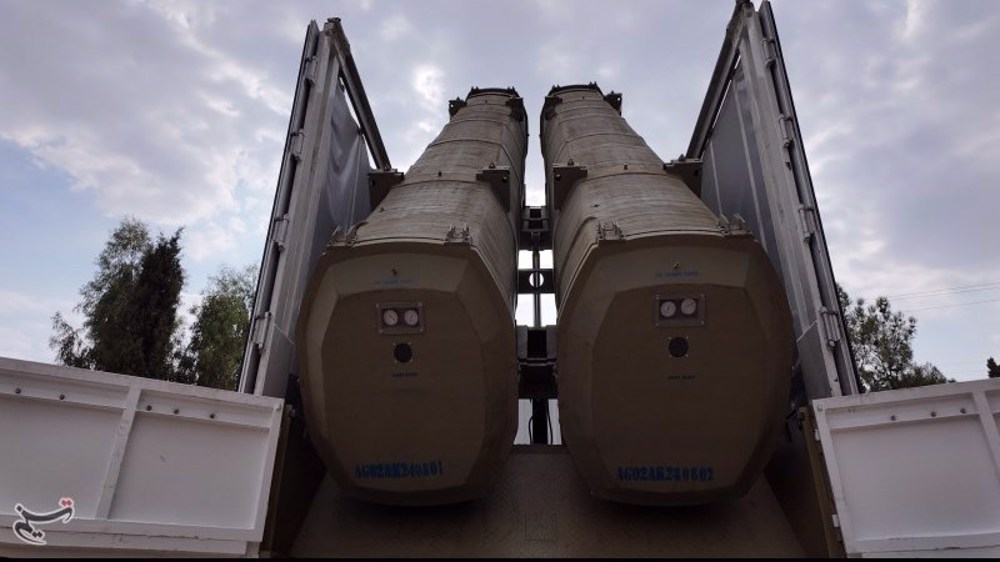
(25,323)
(164,131)
(210,238)
(428,84)
(394,27)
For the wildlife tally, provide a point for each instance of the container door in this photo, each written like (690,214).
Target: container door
(754,166)
(323,184)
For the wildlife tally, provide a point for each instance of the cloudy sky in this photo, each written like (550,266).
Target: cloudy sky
(175,112)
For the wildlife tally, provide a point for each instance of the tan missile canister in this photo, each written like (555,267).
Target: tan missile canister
(406,338)
(675,339)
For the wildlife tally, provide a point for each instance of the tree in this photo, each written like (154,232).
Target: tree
(219,334)
(129,307)
(152,308)
(882,343)
(992,370)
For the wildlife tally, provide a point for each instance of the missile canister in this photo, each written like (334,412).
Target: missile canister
(406,337)
(675,340)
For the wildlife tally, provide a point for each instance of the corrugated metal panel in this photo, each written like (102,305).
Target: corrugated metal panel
(754,165)
(151,466)
(916,472)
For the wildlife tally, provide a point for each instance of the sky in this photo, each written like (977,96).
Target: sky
(175,112)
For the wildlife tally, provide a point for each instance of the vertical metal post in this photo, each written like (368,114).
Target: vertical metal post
(536,261)
(539,407)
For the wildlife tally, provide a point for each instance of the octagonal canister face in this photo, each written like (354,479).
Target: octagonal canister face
(674,410)
(421,414)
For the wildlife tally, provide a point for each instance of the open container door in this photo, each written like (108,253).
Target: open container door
(754,165)
(323,184)
(915,472)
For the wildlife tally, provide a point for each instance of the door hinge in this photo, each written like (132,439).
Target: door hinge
(295,144)
(830,323)
(280,231)
(770,51)
(808,221)
(261,326)
(786,123)
(310,70)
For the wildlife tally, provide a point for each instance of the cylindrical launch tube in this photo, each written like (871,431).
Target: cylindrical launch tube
(406,338)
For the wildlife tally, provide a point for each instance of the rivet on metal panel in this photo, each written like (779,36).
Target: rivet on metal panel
(963,410)
(933,414)
(892,417)
(17,391)
(211,416)
(149,408)
(176,411)
(62,396)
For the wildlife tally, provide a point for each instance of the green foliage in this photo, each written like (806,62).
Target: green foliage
(219,334)
(918,375)
(130,315)
(992,370)
(129,308)
(106,300)
(881,340)
(152,309)
(70,348)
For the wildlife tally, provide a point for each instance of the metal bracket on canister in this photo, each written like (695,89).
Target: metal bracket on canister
(516,106)
(614,99)
(345,236)
(498,178)
(380,182)
(564,178)
(736,226)
(458,236)
(549,107)
(688,170)
(609,231)
(455,105)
